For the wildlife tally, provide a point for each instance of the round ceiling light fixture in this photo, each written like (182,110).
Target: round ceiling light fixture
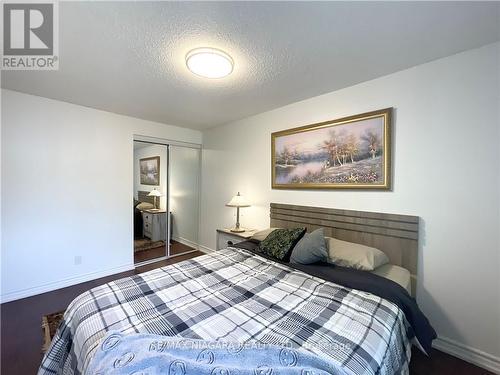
(209,62)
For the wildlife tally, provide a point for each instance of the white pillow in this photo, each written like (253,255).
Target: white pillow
(353,255)
(145,206)
(262,234)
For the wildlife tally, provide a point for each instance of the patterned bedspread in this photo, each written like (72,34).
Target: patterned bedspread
(234,296)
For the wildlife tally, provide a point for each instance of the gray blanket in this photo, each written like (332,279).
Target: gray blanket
(153,354)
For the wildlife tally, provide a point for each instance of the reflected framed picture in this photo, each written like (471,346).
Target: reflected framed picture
(150,170)
(348,153)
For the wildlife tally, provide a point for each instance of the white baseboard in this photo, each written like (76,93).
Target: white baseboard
(194,245)
(29,292)
(468,353)
(205,249)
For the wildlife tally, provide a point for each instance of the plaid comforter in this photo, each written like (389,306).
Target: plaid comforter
(235,296)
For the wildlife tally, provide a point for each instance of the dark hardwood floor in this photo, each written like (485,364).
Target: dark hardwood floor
(177,248)
(439,363)
(21,332)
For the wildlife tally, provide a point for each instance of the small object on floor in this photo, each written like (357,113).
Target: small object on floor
(49,327)
(146,244)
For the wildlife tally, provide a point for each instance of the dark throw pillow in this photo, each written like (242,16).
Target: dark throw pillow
(310,249)
(280,242)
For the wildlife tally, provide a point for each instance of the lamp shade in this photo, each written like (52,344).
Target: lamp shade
(155,193)
(238,201)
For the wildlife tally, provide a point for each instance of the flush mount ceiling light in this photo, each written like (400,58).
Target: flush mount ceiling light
(209,62)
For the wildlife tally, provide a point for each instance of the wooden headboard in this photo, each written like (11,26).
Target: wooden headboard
(395,235)
(142,196)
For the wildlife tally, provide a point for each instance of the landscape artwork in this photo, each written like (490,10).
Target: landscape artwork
(352,152)
(150,170)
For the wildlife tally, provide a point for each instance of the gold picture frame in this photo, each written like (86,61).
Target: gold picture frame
(348,153)
(149,169)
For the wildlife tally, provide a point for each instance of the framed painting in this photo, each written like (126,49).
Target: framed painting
(349,153)
(150,170)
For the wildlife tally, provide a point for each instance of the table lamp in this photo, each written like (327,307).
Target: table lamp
(155,194)
(237,201)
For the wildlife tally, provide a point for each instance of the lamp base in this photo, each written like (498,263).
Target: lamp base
(237,230)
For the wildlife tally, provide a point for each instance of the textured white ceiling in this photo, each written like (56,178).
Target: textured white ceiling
(128,57)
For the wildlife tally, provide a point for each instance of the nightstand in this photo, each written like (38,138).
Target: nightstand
(154,225)
(227,238)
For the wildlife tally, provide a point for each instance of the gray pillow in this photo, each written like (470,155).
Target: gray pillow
(310,249)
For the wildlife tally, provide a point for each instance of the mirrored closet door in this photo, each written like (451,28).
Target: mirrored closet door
(166,200)
(184,198)
(150,201)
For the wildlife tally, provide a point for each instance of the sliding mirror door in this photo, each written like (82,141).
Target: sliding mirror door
(150,201)
(184,198)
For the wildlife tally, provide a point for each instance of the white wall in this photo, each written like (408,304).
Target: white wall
(446,157)
(185,194)
(67,188)
(148,152)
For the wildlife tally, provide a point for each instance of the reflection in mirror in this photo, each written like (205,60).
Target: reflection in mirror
(150,201)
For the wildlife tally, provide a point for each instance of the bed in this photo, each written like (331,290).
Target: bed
(235,295)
